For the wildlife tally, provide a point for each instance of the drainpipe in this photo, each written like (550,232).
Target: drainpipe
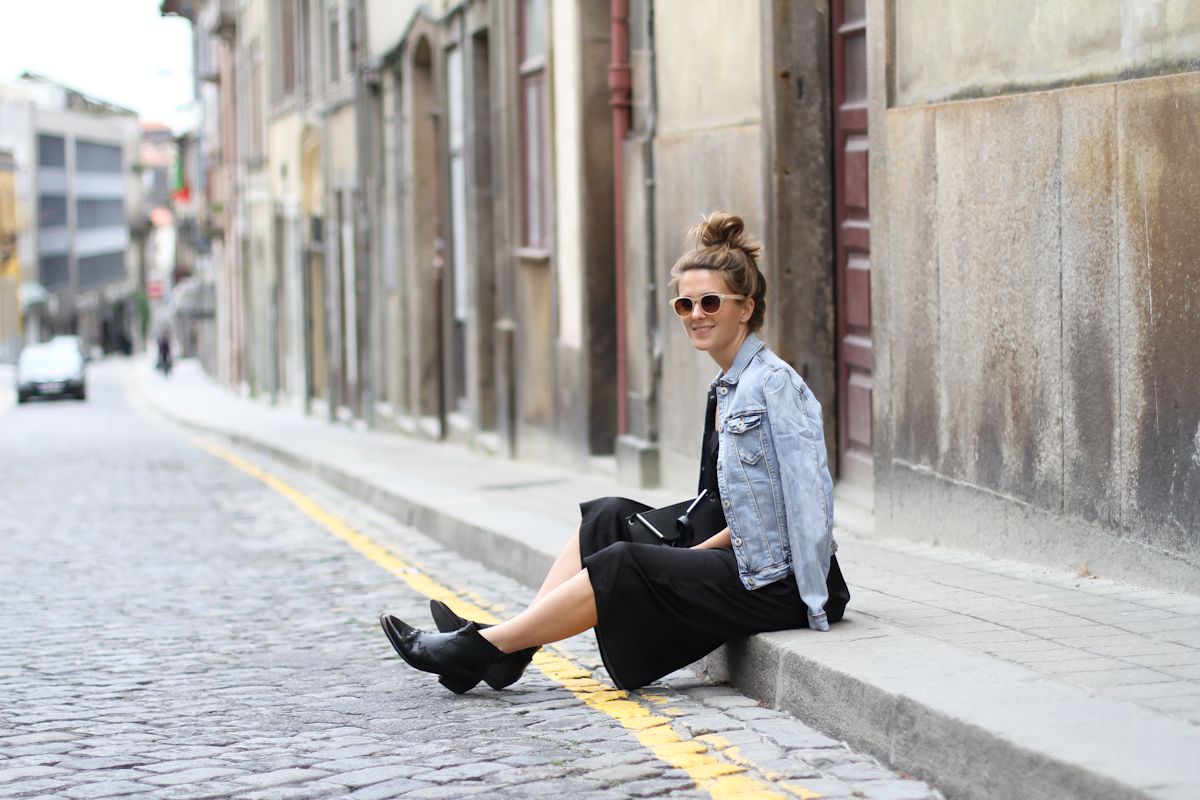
(619,84)
(366,81)
(652,330)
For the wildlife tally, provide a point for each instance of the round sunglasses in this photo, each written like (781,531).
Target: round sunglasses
(709,303)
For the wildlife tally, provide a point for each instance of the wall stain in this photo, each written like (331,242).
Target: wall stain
(1162,217)
(1155,69)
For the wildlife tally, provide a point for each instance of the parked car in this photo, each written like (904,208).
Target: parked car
(50,369)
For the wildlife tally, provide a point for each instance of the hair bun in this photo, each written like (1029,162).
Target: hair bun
(721,228)
(727,230)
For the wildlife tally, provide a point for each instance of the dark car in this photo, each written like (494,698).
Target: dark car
(50,369)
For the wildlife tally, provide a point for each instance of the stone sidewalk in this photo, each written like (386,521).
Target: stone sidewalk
(989,679)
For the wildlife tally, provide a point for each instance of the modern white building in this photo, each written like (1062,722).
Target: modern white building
(89,213)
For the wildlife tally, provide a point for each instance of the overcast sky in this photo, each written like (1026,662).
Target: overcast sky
(122,51)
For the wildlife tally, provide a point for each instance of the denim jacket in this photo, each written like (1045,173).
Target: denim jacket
(773,473)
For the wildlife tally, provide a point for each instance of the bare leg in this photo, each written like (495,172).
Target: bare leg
(566,610)
(566,566)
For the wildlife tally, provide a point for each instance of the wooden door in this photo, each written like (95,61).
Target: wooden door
(318,375)
(853,241)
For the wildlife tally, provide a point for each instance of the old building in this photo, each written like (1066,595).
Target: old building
(19,290)
(457,220)
(10,264)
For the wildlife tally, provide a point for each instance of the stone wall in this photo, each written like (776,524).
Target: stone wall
(950,49)
(1042,298)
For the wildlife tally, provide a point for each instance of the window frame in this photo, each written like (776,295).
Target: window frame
(534,134)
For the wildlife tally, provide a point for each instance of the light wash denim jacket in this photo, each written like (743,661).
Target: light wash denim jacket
(773,473)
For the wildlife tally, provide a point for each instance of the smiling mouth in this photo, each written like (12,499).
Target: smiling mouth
(703,328)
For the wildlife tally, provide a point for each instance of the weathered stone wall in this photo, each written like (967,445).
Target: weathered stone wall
(1043,302)
(696,173)
(949,49)
(708,154)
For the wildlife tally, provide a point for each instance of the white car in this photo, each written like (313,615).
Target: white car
(50,369)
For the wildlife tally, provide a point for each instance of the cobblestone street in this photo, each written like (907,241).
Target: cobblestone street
(175,628)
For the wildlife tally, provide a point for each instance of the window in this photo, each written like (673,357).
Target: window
(96,157)
(335,50)
(456,107)
(535,183)
(52,151)
(52,210)
(285,64)
(99,213)
(252,97)
(103,268)
(302,49)
(53,271)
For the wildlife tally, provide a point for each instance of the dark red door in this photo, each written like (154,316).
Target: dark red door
(853,241)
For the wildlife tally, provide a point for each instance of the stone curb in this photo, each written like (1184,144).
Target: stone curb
(975,726)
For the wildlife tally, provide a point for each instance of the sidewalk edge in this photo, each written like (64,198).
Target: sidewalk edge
(961,757)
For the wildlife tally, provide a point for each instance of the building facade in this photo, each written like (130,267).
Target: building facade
(457,221)
(10,263)
(90,218)
(19,292)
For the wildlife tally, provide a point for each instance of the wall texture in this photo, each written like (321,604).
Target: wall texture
(708,155)
(696,173)
(1043,292)
(708,64)
(948,49)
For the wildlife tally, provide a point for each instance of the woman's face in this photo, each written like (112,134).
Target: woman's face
(720,334)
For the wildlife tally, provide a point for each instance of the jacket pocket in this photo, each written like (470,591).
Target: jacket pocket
(746,432)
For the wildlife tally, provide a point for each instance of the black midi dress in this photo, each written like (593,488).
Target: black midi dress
(661,608)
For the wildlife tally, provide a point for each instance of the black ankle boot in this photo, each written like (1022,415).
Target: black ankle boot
(506,670)
(459,659)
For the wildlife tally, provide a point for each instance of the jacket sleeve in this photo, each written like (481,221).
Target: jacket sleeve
(796,429)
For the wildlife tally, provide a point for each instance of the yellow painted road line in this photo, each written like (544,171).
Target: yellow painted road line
(721,779)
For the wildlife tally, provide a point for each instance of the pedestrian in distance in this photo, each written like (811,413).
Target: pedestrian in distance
(164,352)
(658,608)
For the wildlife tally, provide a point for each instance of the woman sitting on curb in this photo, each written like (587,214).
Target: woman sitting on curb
(655,608)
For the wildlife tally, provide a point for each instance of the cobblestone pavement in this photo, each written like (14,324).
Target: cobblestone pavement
(174,629)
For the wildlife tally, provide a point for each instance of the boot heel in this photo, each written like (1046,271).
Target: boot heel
(507,670)
(457,686)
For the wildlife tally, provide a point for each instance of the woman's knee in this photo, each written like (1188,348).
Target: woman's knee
(619,550)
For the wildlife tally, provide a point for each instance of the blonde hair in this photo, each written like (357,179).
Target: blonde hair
(721,245)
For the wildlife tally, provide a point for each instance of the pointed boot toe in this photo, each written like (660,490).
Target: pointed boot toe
(507,670)
(459,658)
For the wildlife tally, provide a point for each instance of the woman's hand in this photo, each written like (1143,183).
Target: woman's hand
(717,540)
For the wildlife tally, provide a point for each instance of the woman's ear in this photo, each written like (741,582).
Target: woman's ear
(747,309)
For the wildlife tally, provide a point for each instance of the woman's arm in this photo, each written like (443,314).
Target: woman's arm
(807,490)
(716,540)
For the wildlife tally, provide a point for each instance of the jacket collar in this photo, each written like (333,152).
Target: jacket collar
(747,351)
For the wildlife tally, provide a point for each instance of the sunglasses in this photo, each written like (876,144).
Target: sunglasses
(709,303)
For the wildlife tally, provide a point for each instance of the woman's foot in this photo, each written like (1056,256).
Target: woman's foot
(506,670)
(460,658)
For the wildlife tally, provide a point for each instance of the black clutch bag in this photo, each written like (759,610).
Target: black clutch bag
(679,525)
